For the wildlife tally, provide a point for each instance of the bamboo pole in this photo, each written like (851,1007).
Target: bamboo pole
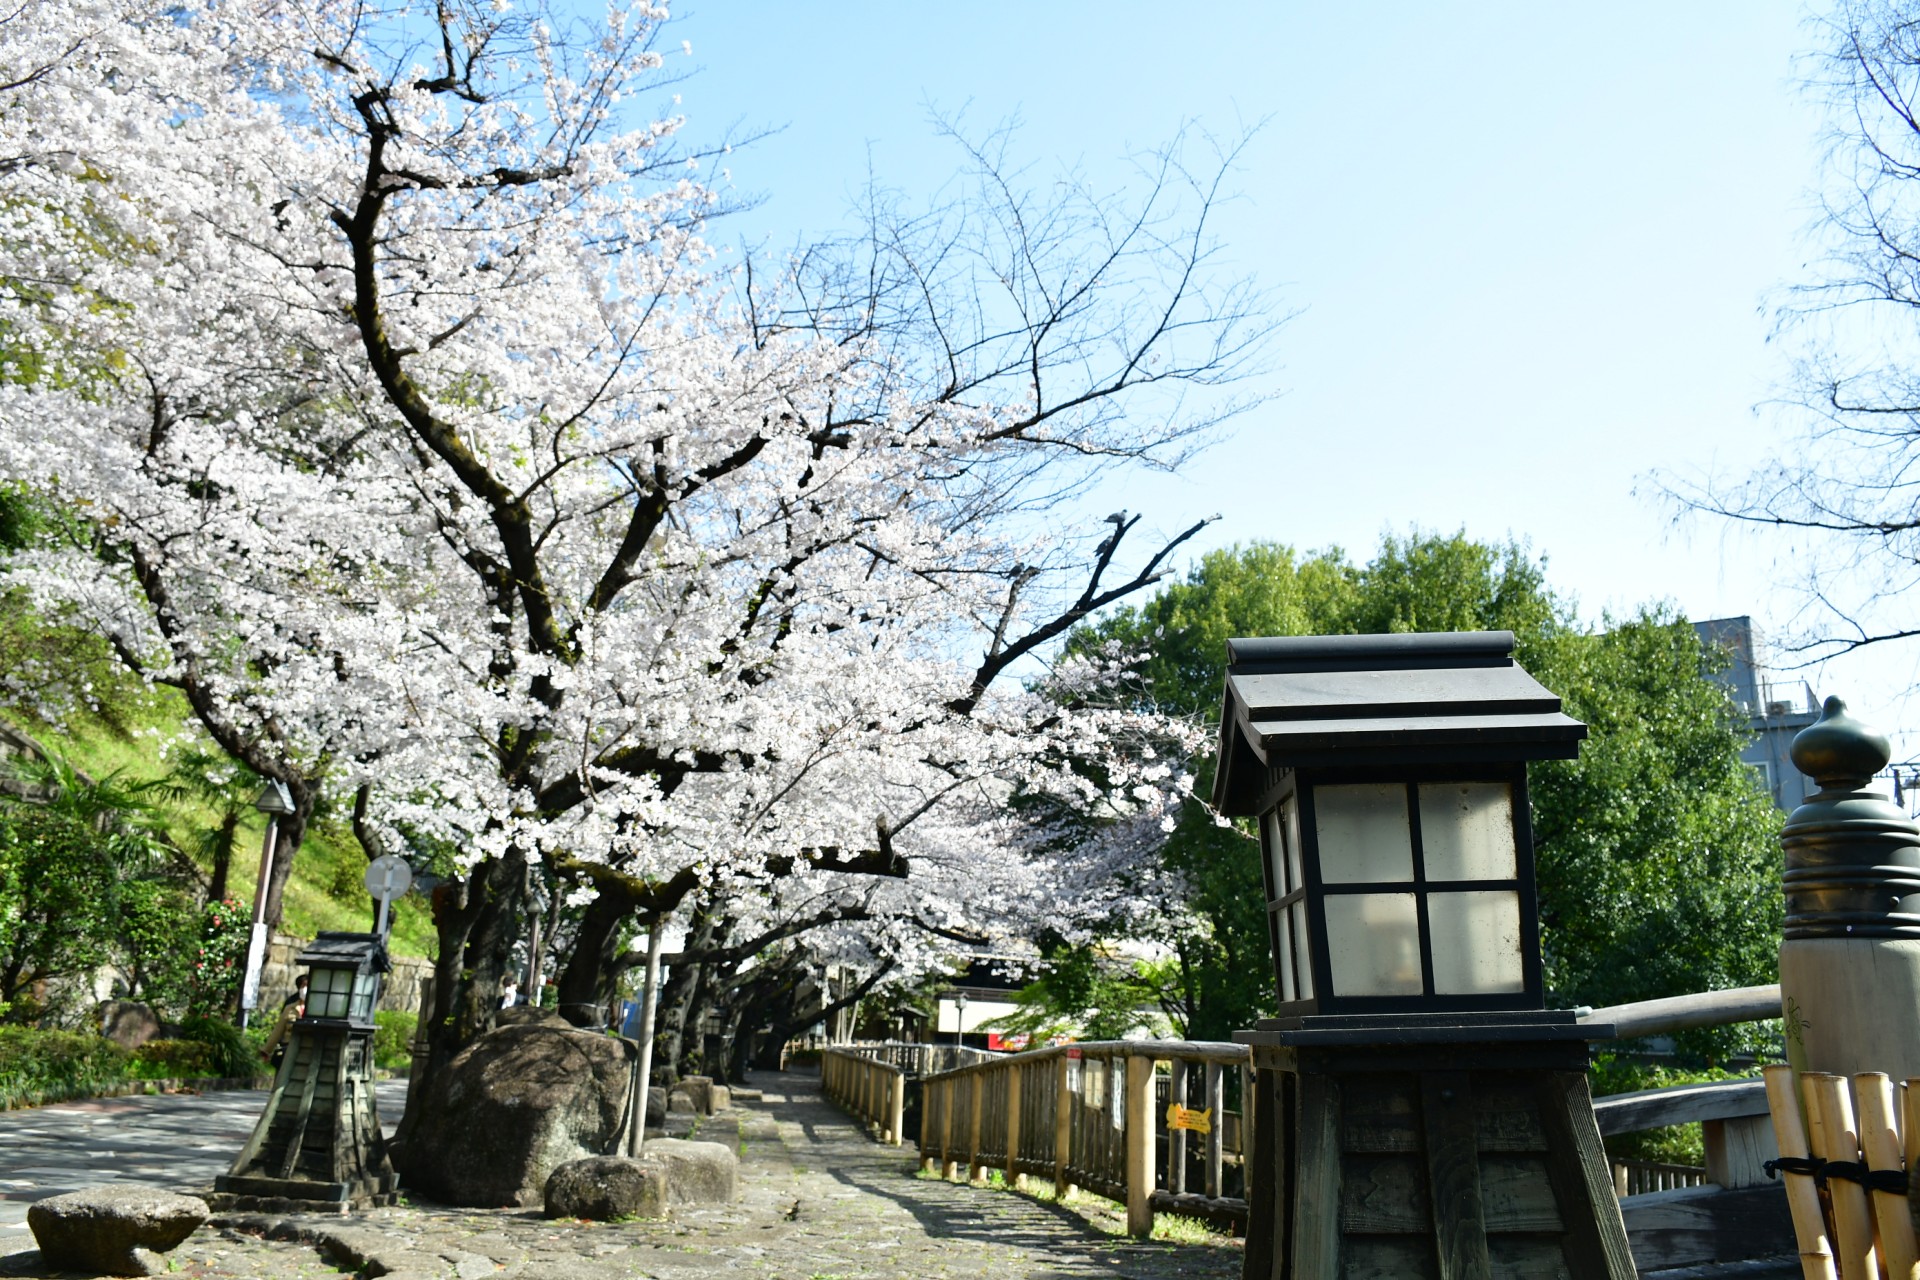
(897,1117)
(1803,1198)
(1835,1137)
(1880,1145)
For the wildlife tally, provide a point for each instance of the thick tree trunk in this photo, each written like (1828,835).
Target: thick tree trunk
(586,985)
(223,855)
(477,921)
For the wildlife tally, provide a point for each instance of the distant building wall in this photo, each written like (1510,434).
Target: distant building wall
(1776,710)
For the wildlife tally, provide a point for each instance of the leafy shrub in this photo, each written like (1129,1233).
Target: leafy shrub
(393,1039)
(173,1060)
(224,931)
(231,1053)
(46,1066)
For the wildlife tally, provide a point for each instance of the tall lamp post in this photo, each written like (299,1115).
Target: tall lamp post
(1418,1109)
(959,1018)
(276,802)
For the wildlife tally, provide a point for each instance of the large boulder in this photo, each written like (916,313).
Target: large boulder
(128,1023)
(112,1229)
(512,1107)
(608,1188)
(697,1172)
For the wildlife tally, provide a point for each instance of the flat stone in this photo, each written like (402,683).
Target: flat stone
(113,1229)
(681,1103)
(722,1097)
(604,1188)
(700,1090)
(697,1172)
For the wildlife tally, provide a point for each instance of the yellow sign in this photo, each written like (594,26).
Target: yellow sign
(1179,1117)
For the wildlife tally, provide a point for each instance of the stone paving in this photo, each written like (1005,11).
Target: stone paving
(820,1201)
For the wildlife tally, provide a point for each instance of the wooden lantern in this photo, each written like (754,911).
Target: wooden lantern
(318,1144)
(1418,1111)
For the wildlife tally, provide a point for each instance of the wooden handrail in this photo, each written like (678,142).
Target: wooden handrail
(1685,1013)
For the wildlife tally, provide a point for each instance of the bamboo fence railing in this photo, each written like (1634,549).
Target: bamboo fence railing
(1847,1149)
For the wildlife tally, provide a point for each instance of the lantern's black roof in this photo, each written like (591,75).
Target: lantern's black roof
(338,950)
(1328,701)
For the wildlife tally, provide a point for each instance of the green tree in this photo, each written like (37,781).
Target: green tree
(1656,851)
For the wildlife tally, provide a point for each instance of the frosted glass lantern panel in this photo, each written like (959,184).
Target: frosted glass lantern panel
(1290,827)
(1303,971)
(1476,942)
(1277,854)
(327,992)
(1466,831)
(1373,941)
(1364,837)
(365,988)
(1284,935)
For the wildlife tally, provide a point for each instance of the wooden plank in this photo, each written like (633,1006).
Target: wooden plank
(317,1064)
(1266,1198)
(1315,1222)
(1062,1126)
(1453,1175)
(1385,1195)
(1596,1239)
(1693,1226)
(1014,1082)
(1680,1104)
(1387,1258)
(1177,1138)
(1738,1151)
(1216,1137)
(1517,1195)
(1526,1258)
(1140,1142)
(1506,1114)
(1379,1115)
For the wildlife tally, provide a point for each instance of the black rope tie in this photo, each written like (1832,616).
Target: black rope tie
(1891,1181)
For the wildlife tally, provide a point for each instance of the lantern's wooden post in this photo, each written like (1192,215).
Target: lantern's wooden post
(1014,1072)
(1140,1135)
(1062,1125)
(897,1126)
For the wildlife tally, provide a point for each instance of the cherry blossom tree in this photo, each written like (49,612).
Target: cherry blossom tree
(417,434)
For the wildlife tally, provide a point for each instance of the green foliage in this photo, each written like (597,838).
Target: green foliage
(1658,856)
(231,1052)
(172,1060)
(59,900)
(47,1066)
(393,1039)
(1657,853)
(1085,992)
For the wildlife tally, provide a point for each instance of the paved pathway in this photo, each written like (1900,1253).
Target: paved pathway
(820,1201)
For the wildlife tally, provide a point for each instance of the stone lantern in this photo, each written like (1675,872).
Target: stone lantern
(318,1144)
(1418,1109)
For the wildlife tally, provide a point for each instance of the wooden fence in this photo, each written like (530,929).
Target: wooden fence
(871,1089)
(1101,1116)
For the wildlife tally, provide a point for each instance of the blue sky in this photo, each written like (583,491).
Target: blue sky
(1532,247)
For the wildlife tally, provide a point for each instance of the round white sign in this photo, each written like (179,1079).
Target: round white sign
(388,877)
